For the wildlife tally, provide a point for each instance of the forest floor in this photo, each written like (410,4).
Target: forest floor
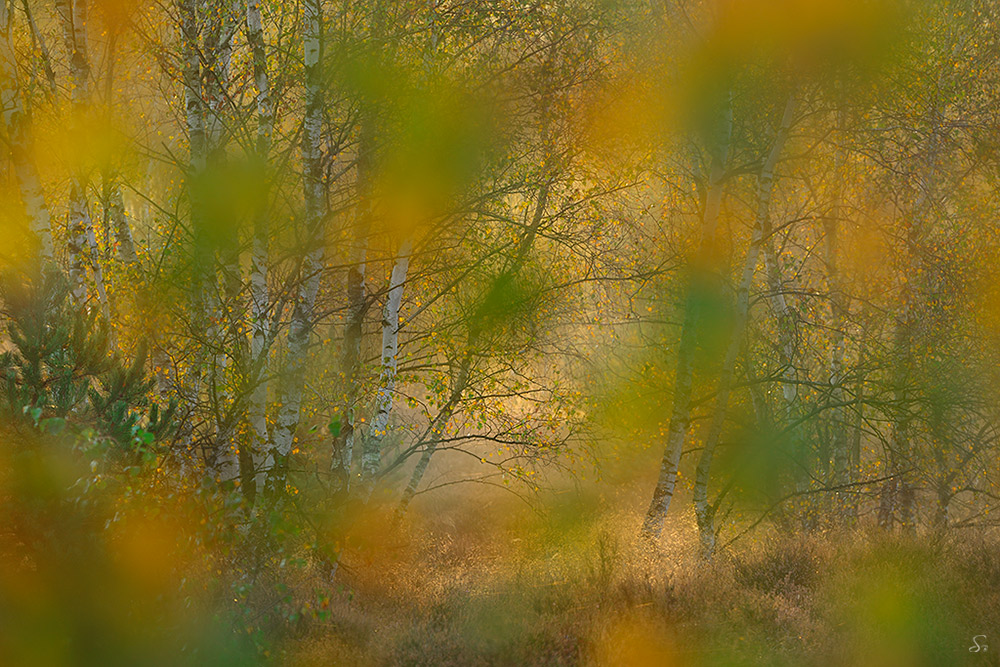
(473,577)
(499,585)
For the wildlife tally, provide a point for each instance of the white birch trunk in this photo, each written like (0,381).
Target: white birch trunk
(43,50)
(436,431)
(371,457)
(680,414)
(120,225)
(838,320)
(357,305)
(290,395)
(21,148)
(195,122)
(259,294)
(223,312)
(704,513)
(786,321)
(82,242)
(218,54)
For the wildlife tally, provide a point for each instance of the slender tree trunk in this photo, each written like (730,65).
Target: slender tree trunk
(841,455)
(787,324)
(350,362)
(901,494)
(38,40)
(701,280)
(17,124)
(440,423)
(118,221)
(371,456)
(942,515)
(82,242)
(857,428)
(838,320)
(301,326)
(201,254)
(704,513)
(259,261)
(218,53)
(226,312)
(436,431)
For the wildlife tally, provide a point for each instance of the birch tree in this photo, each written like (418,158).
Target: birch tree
(259,294)
(701,281)
(371,457)
(82,242)
(705,513)
(300,328)
(17,124)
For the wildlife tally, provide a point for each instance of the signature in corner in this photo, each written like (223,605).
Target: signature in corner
(976,646)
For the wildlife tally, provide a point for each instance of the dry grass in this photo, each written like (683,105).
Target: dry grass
(500,587)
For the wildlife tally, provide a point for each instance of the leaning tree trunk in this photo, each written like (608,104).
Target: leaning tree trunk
(21,149)
(436,430)
(38,41)
(440,423)
(705,513)
(118,221)
(700,281)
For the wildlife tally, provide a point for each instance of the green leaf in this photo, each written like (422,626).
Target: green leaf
(53,425)
(334,427)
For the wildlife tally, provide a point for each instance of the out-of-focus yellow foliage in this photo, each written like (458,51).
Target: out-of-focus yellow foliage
(636,640)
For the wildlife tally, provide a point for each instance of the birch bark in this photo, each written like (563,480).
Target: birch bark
(357,305)
(82,242)
(705,513)
(38,40)
(225,313)
(371,456)
(700,280)
(461,383)
(19,139)
(259,293)
(201,257)
(300,328)
(119,221)
(838,318)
